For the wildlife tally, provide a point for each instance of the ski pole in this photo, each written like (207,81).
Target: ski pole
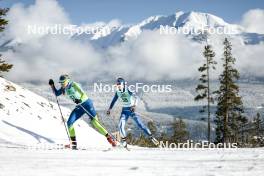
(116,126)
(63,118)
(113,122)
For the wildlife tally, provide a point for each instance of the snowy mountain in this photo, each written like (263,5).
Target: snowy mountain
(103,35)
(188,20)
(27,118)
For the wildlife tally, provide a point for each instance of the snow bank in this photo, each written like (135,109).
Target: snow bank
(27,118)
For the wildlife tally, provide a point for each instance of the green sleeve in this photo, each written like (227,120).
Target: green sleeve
(80,90)
(77,88)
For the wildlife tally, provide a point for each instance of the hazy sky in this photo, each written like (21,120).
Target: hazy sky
(131,11)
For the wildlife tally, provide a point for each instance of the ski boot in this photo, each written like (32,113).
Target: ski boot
(73,144)
(154,140)
(110,140)
(123,142)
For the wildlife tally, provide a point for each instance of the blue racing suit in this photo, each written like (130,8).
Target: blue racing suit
(128,100)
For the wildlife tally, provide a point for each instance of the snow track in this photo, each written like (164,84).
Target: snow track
(139,161)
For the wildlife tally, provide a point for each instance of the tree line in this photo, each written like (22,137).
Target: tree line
(230,119)
(232,125)
(4,67)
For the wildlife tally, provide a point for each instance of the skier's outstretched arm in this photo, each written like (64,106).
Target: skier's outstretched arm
(112,103)
(57,92)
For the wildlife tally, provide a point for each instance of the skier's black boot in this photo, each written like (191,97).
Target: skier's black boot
(73,143)
(123,142)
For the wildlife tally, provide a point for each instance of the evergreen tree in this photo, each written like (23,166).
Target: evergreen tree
(163,137)
(229,112)
(180,132)
(143,141)
(203,88)
(130,139)
(257,125)
(152,127)
(4,67)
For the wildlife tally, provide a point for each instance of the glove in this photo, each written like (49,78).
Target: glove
(133,108)
(108,112)
(77,101)
(51,82)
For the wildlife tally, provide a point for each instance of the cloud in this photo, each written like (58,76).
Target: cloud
(42,13)
(156,57)
(40,57)
(51,56)
(150,57)
(250,59)
(253,21)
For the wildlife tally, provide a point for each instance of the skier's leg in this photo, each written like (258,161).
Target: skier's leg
(121,126)
(146,130)
(88,105)
(140,124)
(75,115)
(102,131)
(96,124)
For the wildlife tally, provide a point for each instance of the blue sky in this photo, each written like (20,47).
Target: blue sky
(131,11)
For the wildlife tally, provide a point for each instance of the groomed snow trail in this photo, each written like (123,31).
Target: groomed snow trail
(139,161)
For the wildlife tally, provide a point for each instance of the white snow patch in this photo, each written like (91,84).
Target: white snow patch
(27,118)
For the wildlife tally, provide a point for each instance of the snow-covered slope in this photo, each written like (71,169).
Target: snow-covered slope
(27,118)
(189,20)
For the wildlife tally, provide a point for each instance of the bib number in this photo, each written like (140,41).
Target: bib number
(125,99)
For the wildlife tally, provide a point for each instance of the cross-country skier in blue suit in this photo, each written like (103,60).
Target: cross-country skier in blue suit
(129,101)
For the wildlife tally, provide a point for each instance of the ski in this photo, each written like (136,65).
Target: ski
(108,149)
(119,147)
(128,149)
(125,147)
(154,141)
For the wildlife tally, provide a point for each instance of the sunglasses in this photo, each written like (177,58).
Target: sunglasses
(63,83)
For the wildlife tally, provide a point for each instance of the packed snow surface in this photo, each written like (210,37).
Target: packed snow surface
(138,161)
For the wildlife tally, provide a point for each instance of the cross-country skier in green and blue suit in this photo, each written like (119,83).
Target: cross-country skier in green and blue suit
(84,105)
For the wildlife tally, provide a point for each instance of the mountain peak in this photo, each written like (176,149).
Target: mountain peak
(199,19)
